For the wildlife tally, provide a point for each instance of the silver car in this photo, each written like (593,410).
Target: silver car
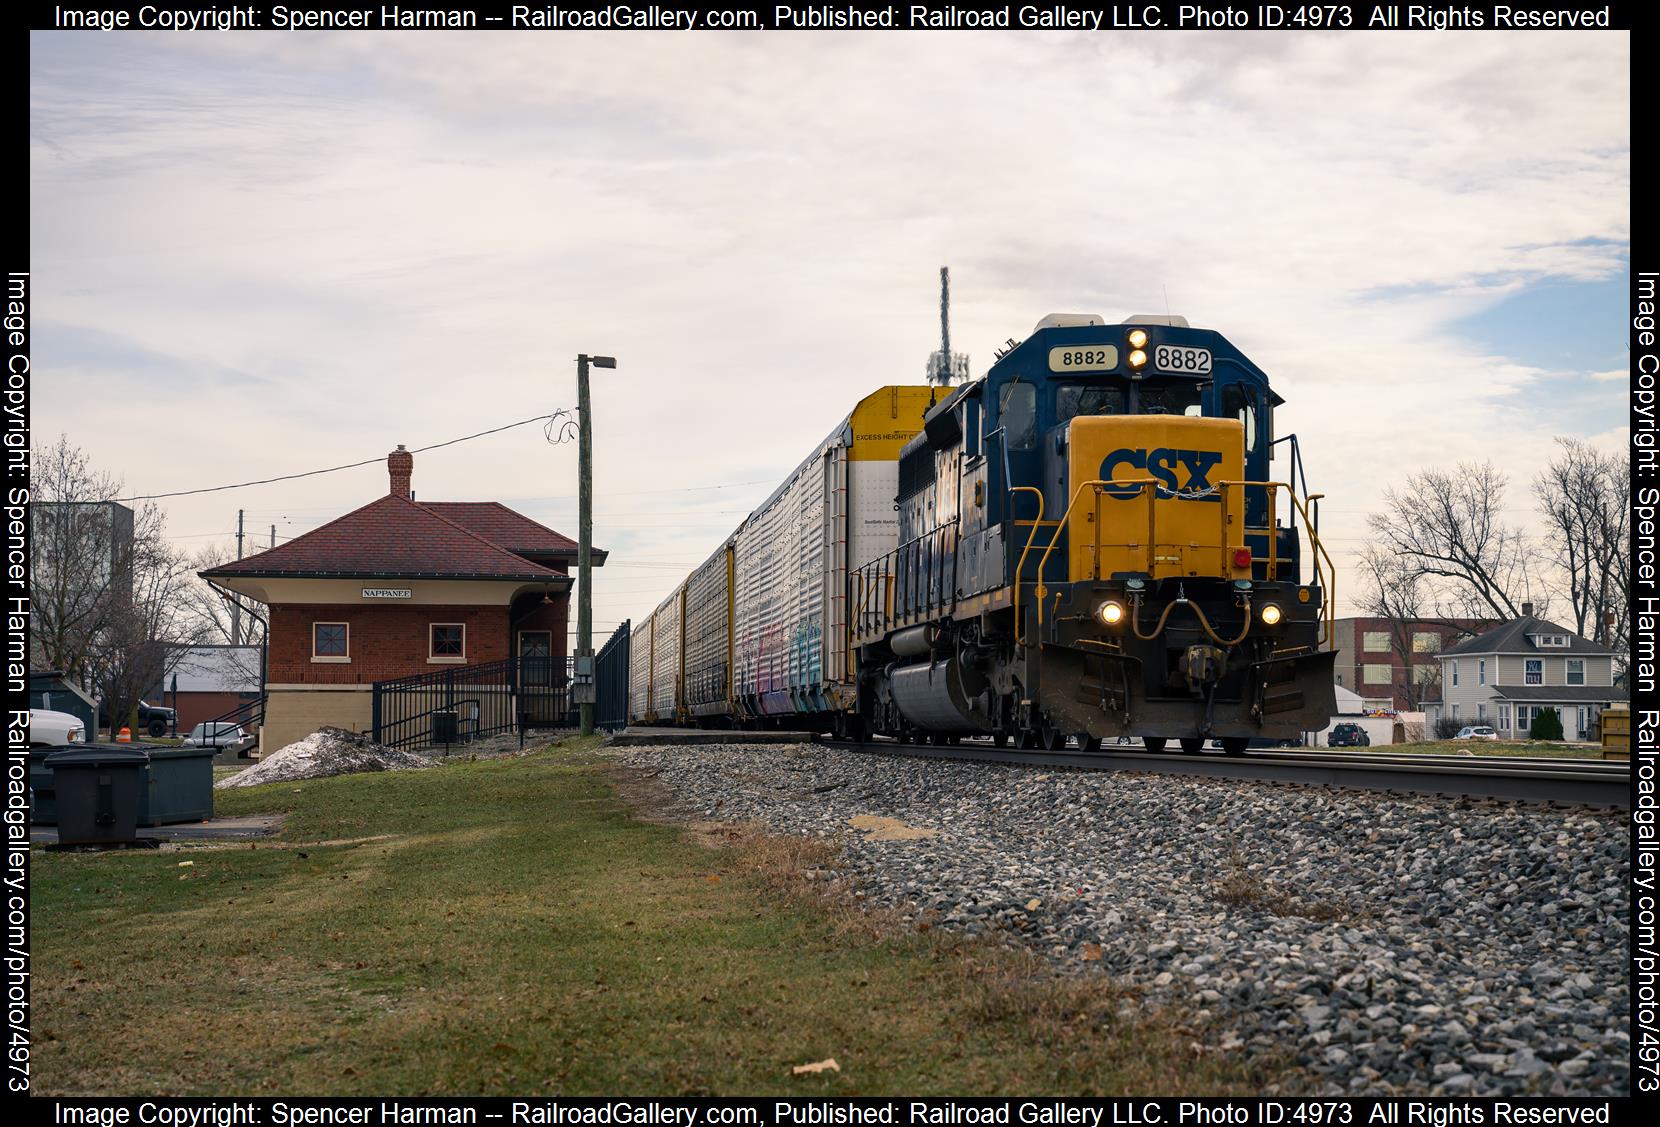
(222,737)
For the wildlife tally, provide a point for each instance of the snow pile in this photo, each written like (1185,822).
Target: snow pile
(328,751)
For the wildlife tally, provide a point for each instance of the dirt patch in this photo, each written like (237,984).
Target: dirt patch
(878,828)
(328,751)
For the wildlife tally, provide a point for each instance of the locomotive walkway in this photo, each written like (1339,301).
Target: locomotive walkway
(1568,782)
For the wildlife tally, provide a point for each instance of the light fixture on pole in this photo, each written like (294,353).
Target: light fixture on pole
(582,686)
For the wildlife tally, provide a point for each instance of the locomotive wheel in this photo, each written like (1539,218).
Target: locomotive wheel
(1027,740)
(1088,743)
(1192,745)
(1234,745)
(1153,743)
(999,739)
(1050,738)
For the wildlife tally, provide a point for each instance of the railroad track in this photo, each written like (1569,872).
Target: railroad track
(1565,782)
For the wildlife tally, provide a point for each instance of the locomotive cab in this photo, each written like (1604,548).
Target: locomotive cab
(1090,545)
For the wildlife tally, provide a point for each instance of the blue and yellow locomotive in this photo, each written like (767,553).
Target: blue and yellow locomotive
(1091,544)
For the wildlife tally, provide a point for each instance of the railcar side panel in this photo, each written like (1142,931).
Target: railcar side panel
(666,658)
(779,561)
(708,622)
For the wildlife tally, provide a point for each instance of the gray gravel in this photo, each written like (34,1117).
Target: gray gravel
(1394,945)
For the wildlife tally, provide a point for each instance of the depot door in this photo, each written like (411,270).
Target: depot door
(536,657)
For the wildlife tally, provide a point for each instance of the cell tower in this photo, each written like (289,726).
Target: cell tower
(938,371)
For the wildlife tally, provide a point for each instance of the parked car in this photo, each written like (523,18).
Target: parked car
(153,719)
(221,737)
(1348,735)
(1476,732)
(48,728)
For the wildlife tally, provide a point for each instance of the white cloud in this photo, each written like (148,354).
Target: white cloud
(407,237)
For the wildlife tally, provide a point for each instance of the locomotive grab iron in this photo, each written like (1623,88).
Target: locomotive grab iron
(1088,544)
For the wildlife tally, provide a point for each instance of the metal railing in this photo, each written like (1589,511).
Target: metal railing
(908,584)
(516,694)
(1317,550)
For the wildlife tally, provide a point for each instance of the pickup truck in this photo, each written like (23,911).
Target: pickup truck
(153,719)
(49,728)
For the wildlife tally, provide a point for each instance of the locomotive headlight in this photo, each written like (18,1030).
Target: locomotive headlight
(1111,613)
(1138,359)
(1270,614)
(1138,338)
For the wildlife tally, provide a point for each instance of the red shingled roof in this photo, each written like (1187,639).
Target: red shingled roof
(501,525)
(396,538)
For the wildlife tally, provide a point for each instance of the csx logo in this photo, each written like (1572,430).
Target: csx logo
(1184,471)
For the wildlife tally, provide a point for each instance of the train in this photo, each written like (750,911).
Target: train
(1086,543)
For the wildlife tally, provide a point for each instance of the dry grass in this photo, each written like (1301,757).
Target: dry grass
(507,927)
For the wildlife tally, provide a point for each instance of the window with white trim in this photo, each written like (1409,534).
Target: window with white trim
(1481,713)
(330,641)
(1534,672)
(1481,671)
(1576,671)
(1504,717)
(1455,673)
(447,642)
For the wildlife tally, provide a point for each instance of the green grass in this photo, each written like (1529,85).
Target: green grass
(506,926)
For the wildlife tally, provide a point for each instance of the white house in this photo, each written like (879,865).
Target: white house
(1503,678)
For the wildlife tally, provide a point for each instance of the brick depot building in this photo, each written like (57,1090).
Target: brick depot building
(399,588)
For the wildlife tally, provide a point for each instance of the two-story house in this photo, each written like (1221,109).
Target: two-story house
(1504,677)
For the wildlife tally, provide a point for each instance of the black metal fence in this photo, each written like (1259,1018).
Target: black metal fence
(611,681)
(464,702)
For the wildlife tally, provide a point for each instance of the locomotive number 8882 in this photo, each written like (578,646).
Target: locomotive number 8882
(1088,544)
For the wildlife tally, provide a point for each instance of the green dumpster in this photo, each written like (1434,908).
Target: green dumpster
(178,786)
(43,797)
(99,790)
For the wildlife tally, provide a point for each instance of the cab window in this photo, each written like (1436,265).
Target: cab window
(1072,400)
(1017,412)
(1170,397)
(1239,402)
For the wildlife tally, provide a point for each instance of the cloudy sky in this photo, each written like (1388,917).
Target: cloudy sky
(259,254)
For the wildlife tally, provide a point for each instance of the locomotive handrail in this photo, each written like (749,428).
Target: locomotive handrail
(1328,608)
(1019,567)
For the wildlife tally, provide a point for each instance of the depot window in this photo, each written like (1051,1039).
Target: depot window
(449,642)
(330,641)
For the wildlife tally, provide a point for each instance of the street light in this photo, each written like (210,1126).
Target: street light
(582,688)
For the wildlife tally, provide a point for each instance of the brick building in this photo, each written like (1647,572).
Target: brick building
(1371,661)
(398,588)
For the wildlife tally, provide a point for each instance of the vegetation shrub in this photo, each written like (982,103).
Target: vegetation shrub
(1547,725)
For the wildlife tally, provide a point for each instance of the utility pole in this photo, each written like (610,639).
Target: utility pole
(236,609)
(582,689)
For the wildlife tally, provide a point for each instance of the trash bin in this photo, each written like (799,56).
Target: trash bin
(178,786)
(43,797)
(444,726)
(99,791)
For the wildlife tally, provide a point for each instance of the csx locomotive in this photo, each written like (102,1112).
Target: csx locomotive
(1086,542)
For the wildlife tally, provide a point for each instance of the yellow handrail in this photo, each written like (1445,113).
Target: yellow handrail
(1020,567)
(1328,609)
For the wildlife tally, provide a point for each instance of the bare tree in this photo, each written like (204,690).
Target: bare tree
(1445,528)
(1585,498)
(80,559)
(104,583)
(213,622)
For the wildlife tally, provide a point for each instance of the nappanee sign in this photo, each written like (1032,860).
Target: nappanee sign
(386,592)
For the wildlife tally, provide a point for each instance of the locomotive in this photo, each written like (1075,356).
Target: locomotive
(1084,543)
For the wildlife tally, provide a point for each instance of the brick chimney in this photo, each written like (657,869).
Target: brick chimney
(400,464)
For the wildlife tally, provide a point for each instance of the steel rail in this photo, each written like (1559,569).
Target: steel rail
(1559,781)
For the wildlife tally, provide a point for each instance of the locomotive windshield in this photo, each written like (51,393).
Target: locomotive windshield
(1072,400)
(1169,397)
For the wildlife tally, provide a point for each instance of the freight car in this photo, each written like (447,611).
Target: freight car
(1085,543)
